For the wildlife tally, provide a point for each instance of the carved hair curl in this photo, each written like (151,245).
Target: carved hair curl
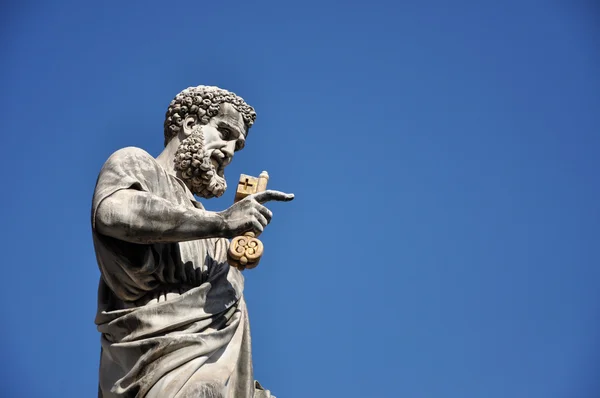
(203,102)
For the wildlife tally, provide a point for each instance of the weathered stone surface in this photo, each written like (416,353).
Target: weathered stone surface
(171,310)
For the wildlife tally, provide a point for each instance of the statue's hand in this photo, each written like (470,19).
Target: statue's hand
(249,214)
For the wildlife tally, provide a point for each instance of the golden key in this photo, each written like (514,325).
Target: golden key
(245,251)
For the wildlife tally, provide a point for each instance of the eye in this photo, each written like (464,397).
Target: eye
(225,133)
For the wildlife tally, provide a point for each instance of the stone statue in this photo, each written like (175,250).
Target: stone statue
(171,310)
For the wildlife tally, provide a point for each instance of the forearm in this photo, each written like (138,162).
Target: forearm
(140,217)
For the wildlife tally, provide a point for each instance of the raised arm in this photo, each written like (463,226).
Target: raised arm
(141,217)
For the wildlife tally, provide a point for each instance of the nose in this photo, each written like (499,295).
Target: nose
(229,149)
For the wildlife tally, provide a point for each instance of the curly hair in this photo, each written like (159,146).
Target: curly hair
(203,102)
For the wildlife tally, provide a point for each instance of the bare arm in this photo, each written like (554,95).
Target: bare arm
(141,217)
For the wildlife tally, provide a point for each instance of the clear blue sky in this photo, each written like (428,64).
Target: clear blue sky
(445,237)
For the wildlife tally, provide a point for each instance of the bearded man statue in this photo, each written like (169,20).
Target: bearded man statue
(171,311)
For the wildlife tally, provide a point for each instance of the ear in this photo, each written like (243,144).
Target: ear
(189,124)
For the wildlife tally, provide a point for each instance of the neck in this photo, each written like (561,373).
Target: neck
(167,157)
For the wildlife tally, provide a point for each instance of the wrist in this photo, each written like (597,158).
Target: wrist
(221,226)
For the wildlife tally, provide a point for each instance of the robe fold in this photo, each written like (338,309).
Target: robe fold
(172,316)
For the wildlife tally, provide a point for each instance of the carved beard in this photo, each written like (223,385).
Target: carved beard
(195,168)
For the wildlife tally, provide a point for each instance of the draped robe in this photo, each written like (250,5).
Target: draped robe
(172,316)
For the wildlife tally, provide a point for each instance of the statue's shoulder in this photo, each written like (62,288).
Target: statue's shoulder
(130,157)
(124,168)
(130,153)
(129,161)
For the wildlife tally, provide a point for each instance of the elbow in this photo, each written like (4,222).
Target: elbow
(108,219)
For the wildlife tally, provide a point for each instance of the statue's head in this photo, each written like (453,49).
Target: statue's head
(211,124)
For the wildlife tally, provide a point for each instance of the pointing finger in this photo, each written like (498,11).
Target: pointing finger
(270,195)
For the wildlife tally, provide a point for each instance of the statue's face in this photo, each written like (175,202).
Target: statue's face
(207,149)
(223,136)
